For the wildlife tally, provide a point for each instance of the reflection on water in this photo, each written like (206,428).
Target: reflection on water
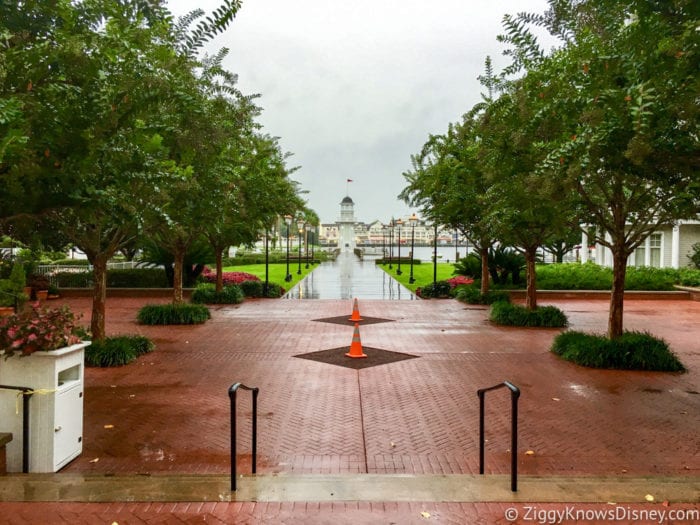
(346,278)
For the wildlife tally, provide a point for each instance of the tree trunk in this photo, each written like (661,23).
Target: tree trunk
(99,297)
(484,252)
(219,269)
(617,294)
(531,294)
(179,262)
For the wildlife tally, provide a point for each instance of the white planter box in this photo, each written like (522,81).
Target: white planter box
(56,416)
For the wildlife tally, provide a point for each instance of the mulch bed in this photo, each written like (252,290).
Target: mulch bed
(375,357)
(345,320)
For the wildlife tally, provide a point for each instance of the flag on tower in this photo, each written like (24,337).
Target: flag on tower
(349,180)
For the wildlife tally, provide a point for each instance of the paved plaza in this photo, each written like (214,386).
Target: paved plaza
(166,417)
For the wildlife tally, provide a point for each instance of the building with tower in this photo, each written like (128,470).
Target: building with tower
(346,225)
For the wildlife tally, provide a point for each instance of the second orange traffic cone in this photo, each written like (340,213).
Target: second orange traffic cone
(355,312)
(356,345)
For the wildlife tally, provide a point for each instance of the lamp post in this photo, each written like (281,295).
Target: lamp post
(383,244)
(391,243)
(312,230)
(435,256)
(306,245)
(413,220)
(288,222)
(267,261)
(300,225)
(456,247)
(399,222)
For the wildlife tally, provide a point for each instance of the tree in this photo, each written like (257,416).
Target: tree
(530,207)
(92,78)
(450,186)
(625,84)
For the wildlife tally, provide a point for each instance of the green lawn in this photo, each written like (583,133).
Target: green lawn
(422,273)
(276,272)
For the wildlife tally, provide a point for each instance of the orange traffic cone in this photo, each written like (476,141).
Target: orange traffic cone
(356,345)
(355,312)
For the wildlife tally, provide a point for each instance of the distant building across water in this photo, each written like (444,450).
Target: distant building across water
(347,232)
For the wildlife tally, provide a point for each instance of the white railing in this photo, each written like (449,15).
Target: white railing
(83,272)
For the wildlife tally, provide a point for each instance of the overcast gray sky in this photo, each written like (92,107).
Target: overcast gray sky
(353,89)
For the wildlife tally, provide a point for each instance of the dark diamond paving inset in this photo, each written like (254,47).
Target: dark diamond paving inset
(375,357)
(345,319)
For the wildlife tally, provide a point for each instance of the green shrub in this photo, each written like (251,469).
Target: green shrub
(689,276)
(695,256)
(117,351)
(631,351)
(252,288)
(590,276)
(173,314)
(507,314)
(137,278)
(469,266)
(571,276)
(649,278)
(438,290)
(274,257)
(472,295)
(126,278)
(68,279)
(12,288)
(206,293)
(275,290)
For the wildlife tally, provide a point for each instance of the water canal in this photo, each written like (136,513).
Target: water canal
(349,277)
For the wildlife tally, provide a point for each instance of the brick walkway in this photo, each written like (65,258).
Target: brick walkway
(169,410)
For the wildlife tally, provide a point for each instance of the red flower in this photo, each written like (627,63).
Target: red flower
(459,280)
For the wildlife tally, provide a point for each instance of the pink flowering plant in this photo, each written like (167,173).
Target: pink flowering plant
(459,280)
(39,329)
(229,277)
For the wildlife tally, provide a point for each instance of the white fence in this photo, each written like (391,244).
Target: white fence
(82,277)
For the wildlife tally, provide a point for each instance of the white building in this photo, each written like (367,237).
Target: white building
(668,247)
(346,225)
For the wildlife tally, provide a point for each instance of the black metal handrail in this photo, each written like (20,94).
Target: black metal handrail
(514,395)
(232,396)
(26,395)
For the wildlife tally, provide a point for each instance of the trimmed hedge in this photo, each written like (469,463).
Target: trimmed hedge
(130,278)
(437,290)
(117,351)
(395,260)
(166,314)
(138,278)
(472,295)
(590,276)
(507,314)
(206,293)
(631,351)
(276,257)
(257,289)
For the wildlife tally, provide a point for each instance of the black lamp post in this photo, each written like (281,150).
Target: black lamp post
(288,222)
(300,225)
(312,230)
(435,256)
(399,222)
(383,244)
(306,246)
(413,220)
(391,243)
(457,247)
(267,261)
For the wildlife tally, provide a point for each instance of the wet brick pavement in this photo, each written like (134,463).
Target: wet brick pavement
(169,409)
